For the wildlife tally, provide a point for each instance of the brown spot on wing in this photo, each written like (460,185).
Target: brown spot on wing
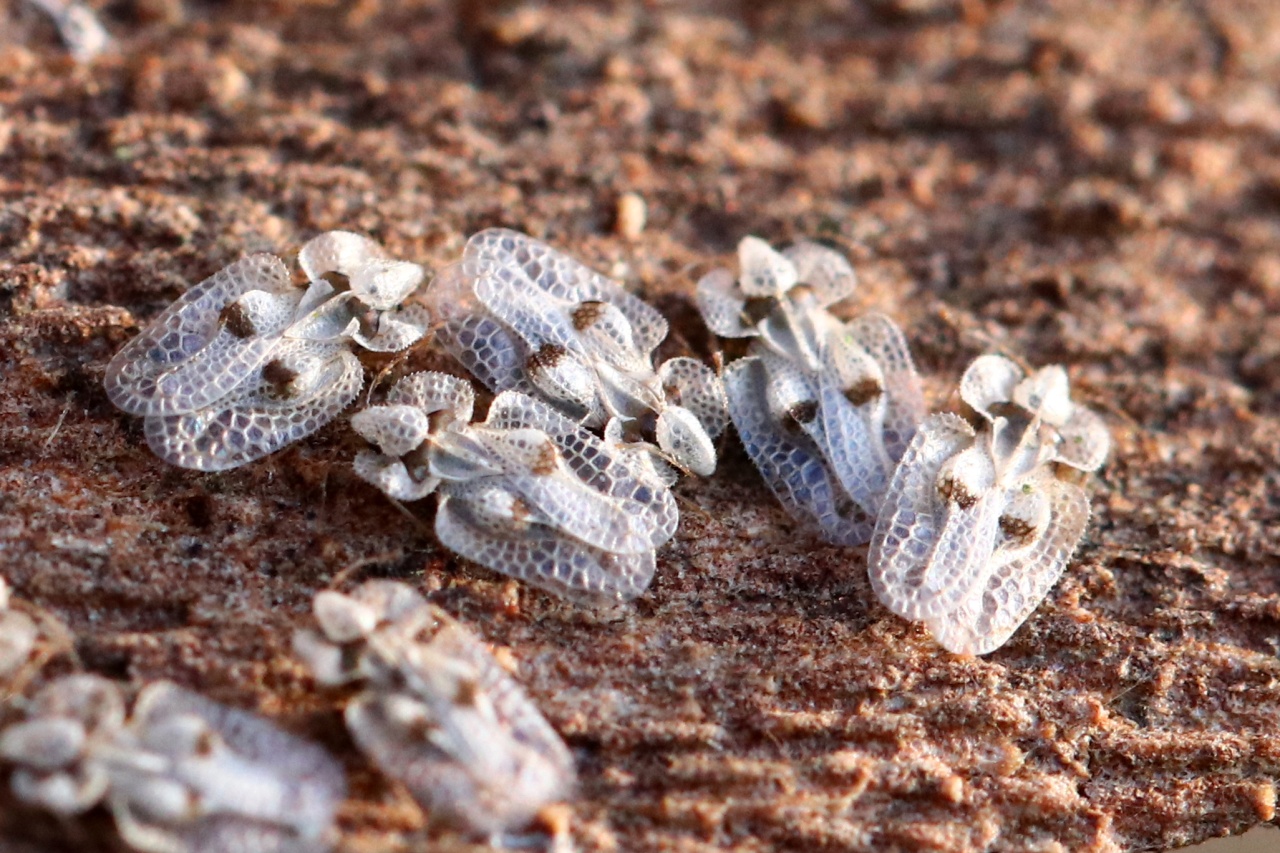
(521,514)
(864,391)
(953,490)
(545,464)
(236,320)
(587,314)
(206,743)
(467,694)
(803,412)
(280,377)
(546,358)
(1018,530)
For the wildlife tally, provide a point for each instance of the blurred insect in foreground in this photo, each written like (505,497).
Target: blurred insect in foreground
(527,493)
(245,363)
(824,408)
(79,27)
(976,526)
(437,712)
(182,775)
(521,316)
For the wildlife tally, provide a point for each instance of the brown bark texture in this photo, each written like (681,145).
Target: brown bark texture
(1067,181)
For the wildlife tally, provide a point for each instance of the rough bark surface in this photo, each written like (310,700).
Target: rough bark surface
(1095,184)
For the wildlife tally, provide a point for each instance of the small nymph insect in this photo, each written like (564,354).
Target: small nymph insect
(436,711)
(528,492)
(976,526)
(522,316)
(182,775)
(824,408)
(245,363)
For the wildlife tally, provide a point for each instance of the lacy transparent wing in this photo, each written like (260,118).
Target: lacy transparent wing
(565,278)
(851,411)
(689,383)
(188,357)
(488,350)
(434,392)
(535,317)
(1085,440)
(338,251)
(252,422)
(961,558)
(991,613)
(721,303)
(881,338)
(564,501)
(910,519)
(544,558)
(763,271)
(788,460)
(510,706)
(827,272)
(484,346)
(989,379)
(602,468)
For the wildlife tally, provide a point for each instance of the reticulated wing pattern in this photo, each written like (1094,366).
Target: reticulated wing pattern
(432,392)
(764,271)
(569,280)
(992,612)
(455,757)
(594,462)
(251,423)
(689,383)
(910,519)
(852,435)
(961,555)
(989,379)
(543,557)
(567,502)
(1085,440)
(881,338)
(536,317)
(787,458)
(488,350)
(720,302)
(826,271)
(338,251)
(186,358)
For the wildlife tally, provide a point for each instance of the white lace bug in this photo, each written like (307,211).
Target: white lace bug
(436,711)
(527,492)
(181,775)
(976,527)
(245,363)
(824,408)
(521,316)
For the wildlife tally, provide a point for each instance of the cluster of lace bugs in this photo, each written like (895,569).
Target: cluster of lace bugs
(179,773)
(565,484)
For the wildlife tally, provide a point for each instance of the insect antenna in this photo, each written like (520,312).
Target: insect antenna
(354,568)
